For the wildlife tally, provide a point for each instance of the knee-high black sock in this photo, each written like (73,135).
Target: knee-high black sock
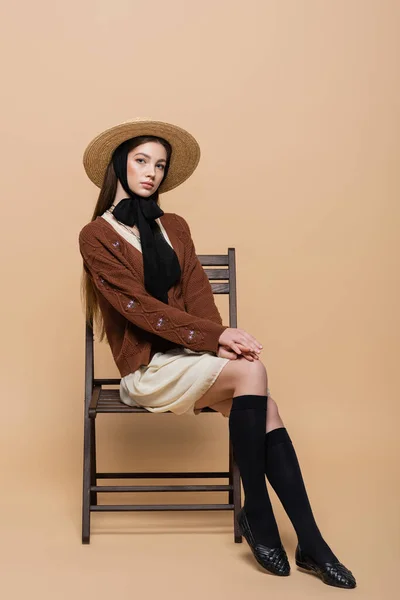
(283,472)
(247,427)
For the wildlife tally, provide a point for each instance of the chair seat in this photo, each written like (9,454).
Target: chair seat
(108,401)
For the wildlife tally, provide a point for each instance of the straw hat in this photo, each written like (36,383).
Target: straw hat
(184,157)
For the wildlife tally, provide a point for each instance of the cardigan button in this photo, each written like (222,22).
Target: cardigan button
(130,304)
(116,244)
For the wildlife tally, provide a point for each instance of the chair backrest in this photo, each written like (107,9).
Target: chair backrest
(223,270)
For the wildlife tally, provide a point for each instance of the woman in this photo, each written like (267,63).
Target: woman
(148,292)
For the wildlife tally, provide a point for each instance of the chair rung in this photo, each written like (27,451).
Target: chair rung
(151,507)
(161,488)
(178,475)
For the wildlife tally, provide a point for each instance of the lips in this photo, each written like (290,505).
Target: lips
(148,185)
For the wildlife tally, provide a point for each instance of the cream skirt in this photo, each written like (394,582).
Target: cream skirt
(172,381)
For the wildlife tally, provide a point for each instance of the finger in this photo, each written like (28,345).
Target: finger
(246,351)
(246,357)
(236,348)
(247,347)
(248,343)
(228,350)
(244,345)
(250,353)
(249,338)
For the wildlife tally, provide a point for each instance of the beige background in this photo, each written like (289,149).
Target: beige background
(296,108)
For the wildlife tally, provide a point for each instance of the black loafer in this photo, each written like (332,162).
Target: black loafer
(273,560)
(331,573)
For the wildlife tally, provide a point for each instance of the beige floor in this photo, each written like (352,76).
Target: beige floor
(180,555)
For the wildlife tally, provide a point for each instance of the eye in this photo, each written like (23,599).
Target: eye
(162,167)
(138,159)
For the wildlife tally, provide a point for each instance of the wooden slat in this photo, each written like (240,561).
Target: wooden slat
(107,381)
(107,394)
(161,488)
(123,408)
(217,273)
(213,259)
(151,507)
(220,288)
(167,475)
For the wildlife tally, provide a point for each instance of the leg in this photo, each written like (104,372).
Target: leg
(240,377)
(220,396)
(237,377)
(274,420)
(241,388)
(284,474)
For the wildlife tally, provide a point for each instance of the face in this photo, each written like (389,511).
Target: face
(146,165)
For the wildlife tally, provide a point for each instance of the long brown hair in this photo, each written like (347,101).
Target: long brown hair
(104,201)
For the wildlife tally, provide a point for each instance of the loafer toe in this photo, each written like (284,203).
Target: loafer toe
(331,573)
(274,560)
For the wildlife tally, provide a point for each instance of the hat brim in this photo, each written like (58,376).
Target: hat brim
(185,154)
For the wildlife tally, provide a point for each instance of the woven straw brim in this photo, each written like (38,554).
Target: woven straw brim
(184,158)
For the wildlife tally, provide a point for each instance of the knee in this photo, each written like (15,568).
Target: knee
(272,408)
(256,369)
(253,370)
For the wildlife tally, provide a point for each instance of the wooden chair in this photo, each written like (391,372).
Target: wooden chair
(101,401)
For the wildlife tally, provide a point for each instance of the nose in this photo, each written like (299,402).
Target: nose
(151,171)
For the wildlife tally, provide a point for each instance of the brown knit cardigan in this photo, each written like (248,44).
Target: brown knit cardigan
(136,324)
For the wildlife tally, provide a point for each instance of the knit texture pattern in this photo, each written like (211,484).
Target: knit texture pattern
(136,323)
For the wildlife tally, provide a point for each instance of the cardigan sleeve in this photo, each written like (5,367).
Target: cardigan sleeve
(196,288)
(116,280)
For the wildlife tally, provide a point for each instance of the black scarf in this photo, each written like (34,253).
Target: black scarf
(160,262)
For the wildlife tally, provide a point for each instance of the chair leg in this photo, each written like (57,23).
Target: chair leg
(87,469)
(235,475)
(93,471)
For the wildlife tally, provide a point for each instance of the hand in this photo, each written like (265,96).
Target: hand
(239,341)
(225,352)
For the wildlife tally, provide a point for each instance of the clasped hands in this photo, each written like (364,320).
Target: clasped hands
(236,343)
